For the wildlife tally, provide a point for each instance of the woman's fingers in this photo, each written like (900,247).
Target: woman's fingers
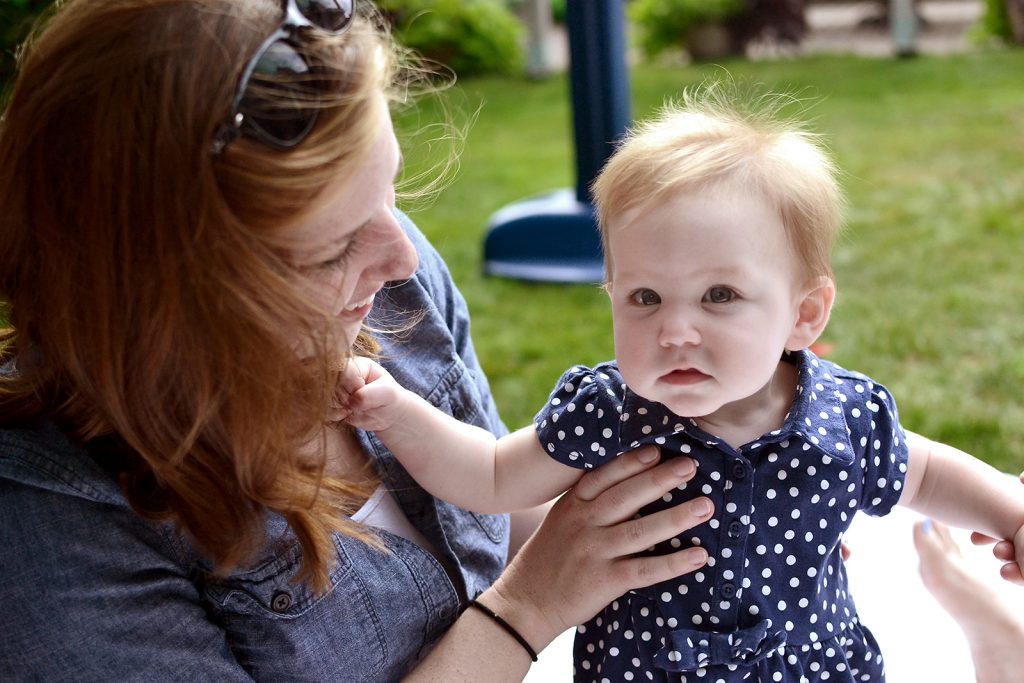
(622,498)
(1012,573)
(635,535)
(596,482)
(978,538)
(589,549)
(638,572)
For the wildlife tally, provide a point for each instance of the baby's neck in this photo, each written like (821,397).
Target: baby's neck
(740,422)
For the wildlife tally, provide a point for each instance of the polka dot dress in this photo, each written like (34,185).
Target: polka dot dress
(772,603)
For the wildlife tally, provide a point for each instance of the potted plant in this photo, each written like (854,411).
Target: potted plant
(701,26)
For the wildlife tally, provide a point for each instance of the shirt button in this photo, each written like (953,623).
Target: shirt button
(728,590)
(735,528)
(738,469)
(281,601)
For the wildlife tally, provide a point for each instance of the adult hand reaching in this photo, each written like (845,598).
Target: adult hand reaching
(580,559)
(1005,551)
(583,556)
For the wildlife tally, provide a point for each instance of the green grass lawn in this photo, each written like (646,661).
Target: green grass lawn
(931,293)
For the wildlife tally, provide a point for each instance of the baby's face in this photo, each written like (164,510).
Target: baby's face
(704,298)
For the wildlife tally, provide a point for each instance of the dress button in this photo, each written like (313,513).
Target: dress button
(735,528)
(728,590)
(738,469)
(281,601)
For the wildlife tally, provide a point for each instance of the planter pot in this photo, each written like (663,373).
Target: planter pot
(709,41)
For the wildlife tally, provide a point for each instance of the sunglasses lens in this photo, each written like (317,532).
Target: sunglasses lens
(280,103)
(280,94)
(330,15)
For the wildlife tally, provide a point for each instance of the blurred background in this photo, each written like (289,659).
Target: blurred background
(923,111)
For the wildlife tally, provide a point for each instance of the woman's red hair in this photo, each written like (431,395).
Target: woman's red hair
(146,281)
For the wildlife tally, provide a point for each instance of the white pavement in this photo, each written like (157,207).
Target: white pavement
(843,28)
(846,28)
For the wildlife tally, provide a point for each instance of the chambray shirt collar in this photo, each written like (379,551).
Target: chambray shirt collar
(816,417)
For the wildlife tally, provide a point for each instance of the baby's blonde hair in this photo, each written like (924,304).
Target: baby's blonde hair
(713,138)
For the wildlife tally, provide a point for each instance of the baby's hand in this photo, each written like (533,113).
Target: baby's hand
(368,397)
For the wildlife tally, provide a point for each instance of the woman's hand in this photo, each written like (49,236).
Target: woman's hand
(580,559)
(583,555)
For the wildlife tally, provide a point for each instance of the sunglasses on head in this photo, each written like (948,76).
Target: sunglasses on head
(276,101)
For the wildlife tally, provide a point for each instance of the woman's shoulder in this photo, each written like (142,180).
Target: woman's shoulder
(57,501)
(80,566)
(64,512)
(39,455)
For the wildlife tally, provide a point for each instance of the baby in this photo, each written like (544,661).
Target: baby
(717,225)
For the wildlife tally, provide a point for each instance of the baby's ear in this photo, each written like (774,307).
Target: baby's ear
(812,313)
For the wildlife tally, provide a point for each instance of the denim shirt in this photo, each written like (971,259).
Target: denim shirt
(92,592)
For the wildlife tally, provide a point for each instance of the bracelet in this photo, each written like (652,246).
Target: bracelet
(505,625)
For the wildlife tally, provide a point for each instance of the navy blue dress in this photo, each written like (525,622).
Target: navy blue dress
(772,604)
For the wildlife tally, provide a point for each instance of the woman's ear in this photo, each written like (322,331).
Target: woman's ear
(812,313)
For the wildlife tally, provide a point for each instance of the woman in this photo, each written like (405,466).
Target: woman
(197,228)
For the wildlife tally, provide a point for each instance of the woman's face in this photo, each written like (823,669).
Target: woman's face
(353,244)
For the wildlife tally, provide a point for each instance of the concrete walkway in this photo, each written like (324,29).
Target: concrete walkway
(842,28)
(851,28)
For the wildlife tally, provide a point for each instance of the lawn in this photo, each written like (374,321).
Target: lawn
(930,286)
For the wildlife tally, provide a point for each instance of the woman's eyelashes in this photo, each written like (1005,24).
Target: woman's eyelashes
(338,261)
(335,262)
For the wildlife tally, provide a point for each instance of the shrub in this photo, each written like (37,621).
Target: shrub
(16,17)
(558,11)
(1002,20)
(663,24)
(470,36)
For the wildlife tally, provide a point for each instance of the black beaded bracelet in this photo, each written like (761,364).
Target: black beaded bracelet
(505,625)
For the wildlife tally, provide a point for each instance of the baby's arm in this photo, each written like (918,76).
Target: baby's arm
(954,487)
(457,462)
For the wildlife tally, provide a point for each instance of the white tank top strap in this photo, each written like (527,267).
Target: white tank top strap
(383,512)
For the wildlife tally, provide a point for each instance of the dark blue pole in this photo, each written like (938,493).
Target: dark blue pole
(554,238)
(600,84)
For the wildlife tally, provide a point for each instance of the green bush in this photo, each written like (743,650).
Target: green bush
(470,36)
(663,24)
(558,11)
(995,21)
(16,17)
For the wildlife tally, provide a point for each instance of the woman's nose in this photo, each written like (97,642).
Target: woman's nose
(398,258)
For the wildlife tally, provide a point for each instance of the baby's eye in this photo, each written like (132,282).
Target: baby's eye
(645,297)
(719,295)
